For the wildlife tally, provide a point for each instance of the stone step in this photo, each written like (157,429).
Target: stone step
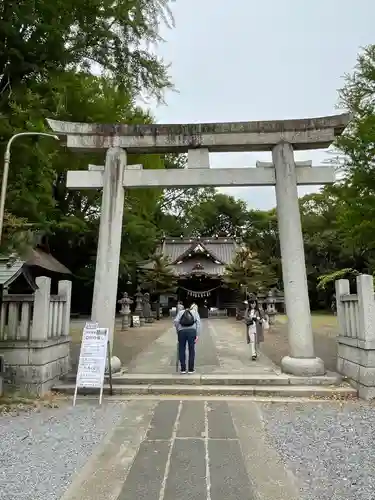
(218,379)
(182,390)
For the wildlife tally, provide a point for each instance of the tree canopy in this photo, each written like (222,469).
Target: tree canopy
(92,61)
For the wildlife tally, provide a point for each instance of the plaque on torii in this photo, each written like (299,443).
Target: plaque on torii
(198,140)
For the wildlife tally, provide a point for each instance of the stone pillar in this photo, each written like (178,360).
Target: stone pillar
(109,243)
(302,360)
(342,287)
(40,321)
(65,289)
(366,307)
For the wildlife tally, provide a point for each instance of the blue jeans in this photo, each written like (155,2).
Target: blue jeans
(186,336)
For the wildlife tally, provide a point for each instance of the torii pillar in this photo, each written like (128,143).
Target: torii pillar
(109,243)
(280,137)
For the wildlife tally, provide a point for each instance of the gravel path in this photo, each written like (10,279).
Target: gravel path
(40,452)
(330,448)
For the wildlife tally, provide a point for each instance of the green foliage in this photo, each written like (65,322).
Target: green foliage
(328,279)
(48,49)
(216,214)
(247,271)
(356,193)
(39,38)
(159,277)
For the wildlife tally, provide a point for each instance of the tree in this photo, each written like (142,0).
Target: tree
(219,214)
(40,38)
(37,193)
(159,278)
(247,272)
(261,236)
(175,205)
(357,190)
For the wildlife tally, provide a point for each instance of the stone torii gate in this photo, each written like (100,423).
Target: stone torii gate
(198,140)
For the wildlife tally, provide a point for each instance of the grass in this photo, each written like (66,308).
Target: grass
(322,322)
(325,330)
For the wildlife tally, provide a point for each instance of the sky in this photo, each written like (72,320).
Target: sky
(245,60)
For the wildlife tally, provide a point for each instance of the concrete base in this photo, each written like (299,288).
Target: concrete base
(189,390)
(232,379)
(356,361)
(115,365)
(35,366)
(302,367)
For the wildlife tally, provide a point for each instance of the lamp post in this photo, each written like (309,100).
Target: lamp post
(4,184)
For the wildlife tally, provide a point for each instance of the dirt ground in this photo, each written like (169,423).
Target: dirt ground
(325,329)
(127,344)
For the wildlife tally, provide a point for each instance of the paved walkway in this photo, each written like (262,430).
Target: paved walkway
(201,448)
(186,450)
(221,348)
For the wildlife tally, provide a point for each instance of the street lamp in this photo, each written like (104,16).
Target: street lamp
(4,184)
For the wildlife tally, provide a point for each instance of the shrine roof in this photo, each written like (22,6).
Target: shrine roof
(199,267)
(221,249)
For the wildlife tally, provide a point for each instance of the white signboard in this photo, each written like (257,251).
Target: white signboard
(92,359)
(136,321)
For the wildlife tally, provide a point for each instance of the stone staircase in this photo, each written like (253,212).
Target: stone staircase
(225,385)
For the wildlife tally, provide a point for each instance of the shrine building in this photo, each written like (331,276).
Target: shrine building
(199,264)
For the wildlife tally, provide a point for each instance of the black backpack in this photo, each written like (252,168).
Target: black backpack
(187,318)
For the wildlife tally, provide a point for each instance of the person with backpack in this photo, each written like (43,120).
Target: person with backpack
(187,323)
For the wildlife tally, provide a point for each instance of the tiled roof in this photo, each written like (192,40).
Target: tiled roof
(208,267)
(222,249)
(9,268)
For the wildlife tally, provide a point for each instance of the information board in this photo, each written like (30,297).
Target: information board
(92,359)
(136,321)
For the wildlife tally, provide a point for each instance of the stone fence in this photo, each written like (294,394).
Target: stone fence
(356,340)
(34,336)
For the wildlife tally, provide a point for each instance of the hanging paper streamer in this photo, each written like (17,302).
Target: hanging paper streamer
(199,294)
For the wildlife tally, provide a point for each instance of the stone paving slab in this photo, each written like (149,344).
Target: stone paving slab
(192,420)
(187,472)
(220,424)
(161,426)
(229,479)
(146,475)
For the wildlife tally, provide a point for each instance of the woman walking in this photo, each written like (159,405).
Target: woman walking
(254,327)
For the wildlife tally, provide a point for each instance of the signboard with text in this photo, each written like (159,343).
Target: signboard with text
(136,321)
(92,358)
